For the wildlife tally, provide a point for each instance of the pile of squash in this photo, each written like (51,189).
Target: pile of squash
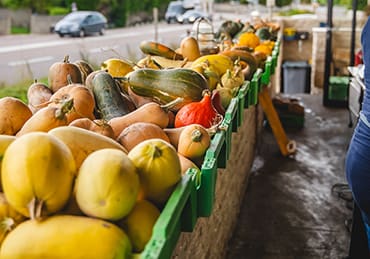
(89,162)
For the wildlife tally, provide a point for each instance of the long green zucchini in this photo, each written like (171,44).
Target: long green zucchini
(110,101)
(166,85)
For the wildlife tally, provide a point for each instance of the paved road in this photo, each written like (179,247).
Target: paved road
(27,57)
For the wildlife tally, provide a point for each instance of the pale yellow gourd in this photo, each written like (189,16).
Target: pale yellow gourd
(66,236)
(37,174)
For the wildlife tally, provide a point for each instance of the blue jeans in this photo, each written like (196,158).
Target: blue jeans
(358,170)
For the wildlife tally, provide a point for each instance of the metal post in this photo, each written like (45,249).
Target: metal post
(353,35)
(328,53)
(155,18)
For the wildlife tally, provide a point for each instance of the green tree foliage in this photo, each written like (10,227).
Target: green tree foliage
(361,4)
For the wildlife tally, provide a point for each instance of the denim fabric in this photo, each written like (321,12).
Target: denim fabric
(358,156)
(367,231)
(358,167)
(365,42)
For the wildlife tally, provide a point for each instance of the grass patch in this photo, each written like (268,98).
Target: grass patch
(20,30)
(294,12)
(19,90)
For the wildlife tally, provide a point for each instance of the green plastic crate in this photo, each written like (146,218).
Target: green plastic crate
(170,223)
(254,88)
(274,57)
(265,79)
(338,88)
(229,124)
(243,103)
(217,149)
(207,187)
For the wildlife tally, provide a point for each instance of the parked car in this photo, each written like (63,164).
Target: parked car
(81,24)
(174,9)
(191,15)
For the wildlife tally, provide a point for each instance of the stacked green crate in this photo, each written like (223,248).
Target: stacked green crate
(265,79)
(179,214)
(243,102)
(254,88)
(194,196)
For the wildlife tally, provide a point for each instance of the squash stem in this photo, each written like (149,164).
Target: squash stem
(196,135)
(172,103)
(66,107)
(156,152)
(35,208)
(66,59)
(7,224)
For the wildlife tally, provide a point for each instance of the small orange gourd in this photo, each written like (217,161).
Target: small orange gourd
(202,112)
(194,141)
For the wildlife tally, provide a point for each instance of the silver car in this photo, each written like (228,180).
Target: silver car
(81,24)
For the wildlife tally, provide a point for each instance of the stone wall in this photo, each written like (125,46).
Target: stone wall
(43,23)
(18,18)
(21,17)
(210,236)
(5,21)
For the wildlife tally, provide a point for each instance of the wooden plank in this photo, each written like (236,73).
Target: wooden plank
(287,147)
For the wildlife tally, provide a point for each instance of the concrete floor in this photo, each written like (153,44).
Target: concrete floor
(290,208)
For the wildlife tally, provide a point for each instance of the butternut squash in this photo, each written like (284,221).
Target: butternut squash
(190,48)
(97,125)
(150,112)
(194,141)
(159,49)
(47,118)
(186,163)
